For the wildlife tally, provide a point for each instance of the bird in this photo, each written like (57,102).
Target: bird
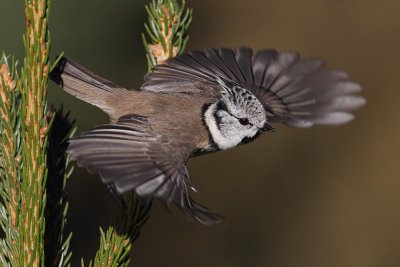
(196,103)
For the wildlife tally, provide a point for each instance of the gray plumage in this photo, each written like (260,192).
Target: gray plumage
(196,103)
(298,92)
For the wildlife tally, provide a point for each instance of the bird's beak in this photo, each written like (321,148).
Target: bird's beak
(268,128)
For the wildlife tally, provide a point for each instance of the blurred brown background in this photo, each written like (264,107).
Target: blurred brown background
(316,197)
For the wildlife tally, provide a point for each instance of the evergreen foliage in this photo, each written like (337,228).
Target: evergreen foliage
(34,167)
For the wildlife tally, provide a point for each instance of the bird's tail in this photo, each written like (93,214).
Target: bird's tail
(85,85)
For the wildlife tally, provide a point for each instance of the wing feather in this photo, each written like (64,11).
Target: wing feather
(132,156)
(298,92)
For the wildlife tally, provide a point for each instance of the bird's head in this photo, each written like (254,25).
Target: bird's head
(237,117)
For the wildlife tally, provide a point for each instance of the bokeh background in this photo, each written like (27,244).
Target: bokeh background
(316,197)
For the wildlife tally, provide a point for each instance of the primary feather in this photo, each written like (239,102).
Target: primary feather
(298,92)
(132,156)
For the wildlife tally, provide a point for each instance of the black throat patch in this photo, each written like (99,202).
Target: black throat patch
(249,139)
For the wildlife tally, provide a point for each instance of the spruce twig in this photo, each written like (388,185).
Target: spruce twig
(10,164)
(23,144)
(24,163)
(33,82)
(166,30)
(116,243)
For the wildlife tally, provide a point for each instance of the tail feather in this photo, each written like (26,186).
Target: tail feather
(84,84)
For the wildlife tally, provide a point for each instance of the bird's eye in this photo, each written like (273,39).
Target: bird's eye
(244,121)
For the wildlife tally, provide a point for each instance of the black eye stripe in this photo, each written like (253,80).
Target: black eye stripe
(222,106)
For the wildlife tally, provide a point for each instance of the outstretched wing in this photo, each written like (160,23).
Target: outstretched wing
(131,156)
(298,92)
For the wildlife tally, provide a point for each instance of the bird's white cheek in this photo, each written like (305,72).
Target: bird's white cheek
(220,137)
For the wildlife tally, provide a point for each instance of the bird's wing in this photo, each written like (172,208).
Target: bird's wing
(132,156)
(298,92)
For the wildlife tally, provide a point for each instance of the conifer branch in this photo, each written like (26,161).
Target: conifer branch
(116,243)
(34,126)
(10,164)
(33,233)
(166,30)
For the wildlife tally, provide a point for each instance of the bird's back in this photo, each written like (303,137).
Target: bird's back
(179,115)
